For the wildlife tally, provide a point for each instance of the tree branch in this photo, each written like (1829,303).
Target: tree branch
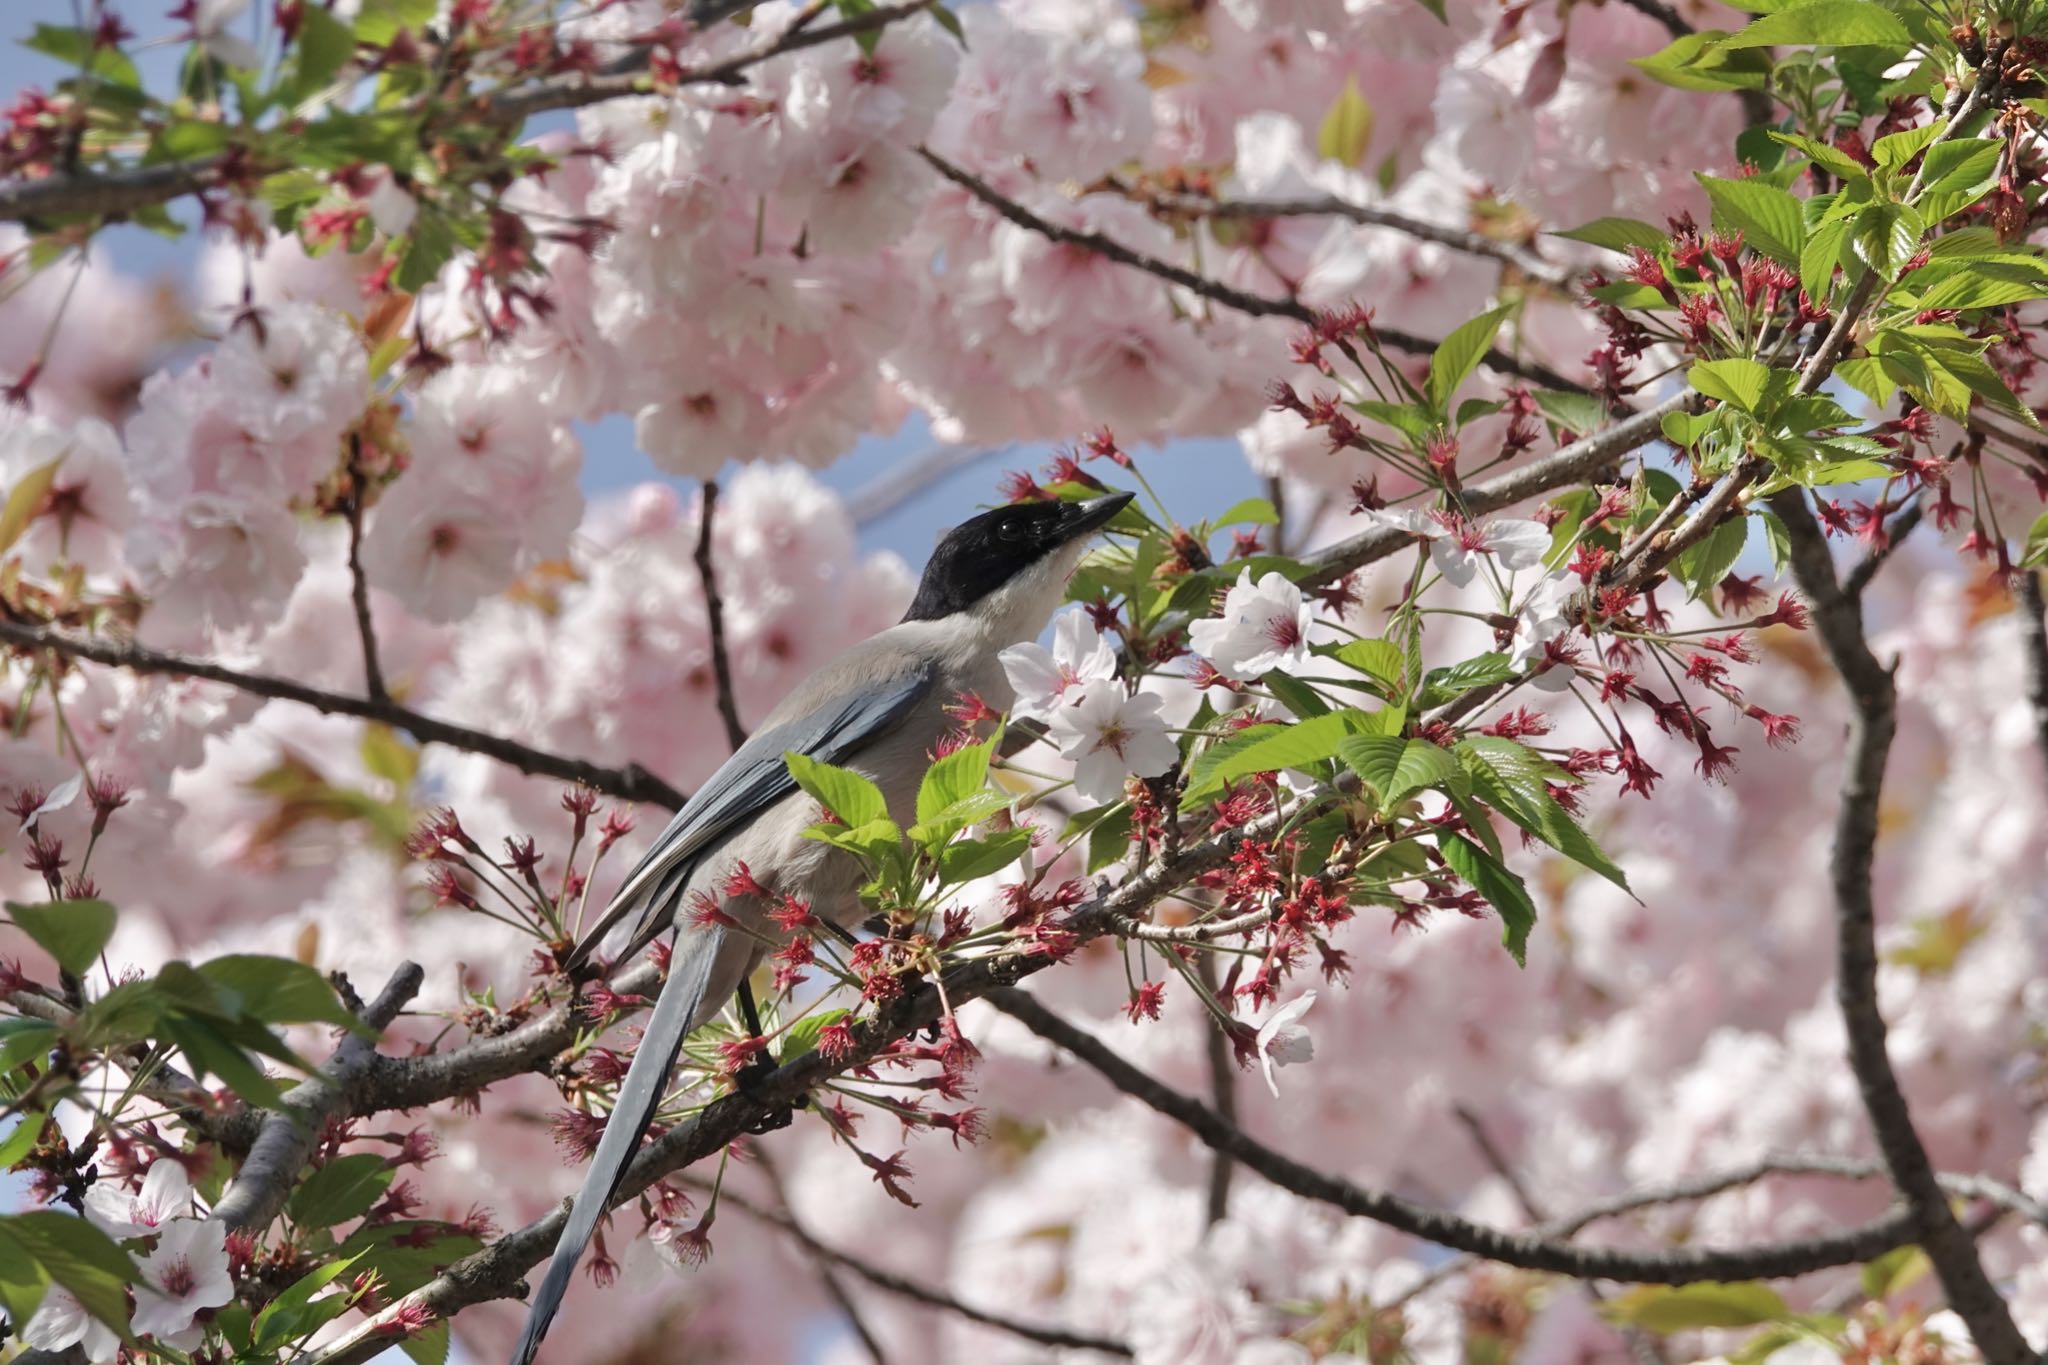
(108,194)
(1873,721)
(714,609)
(631,783)
(1678,1265)
(288,1133)
(917,1292)
(2034,650)
(822,1262)
(359,583)
(1859,577)
(1331,206)
(1254,305)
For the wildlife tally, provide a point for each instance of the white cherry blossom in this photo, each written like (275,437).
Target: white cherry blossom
(1263,626)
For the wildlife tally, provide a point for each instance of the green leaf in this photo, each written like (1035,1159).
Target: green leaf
(1583,413)
(211,1051)
(428,1346)
(276,990)
(1346,129)
(2036,551)
(1819,257)
(845,793)
(1895,150)
(949,21)
(1513,780)
(323,48)
(1249,512)
(1108,838)
(1394,767)
(968,859)
(1705,564)
(294,1313)
(76,47)
(1459,354)
(20,1139)
(953,779)
(1701,61)
(1831,159)
(1296,695)
(1271,748)
(77,1255)
(800,1039)
(1985,286)
(1503,890)
(1381,660)
(1768,218)
(1618,234)
(72,932)
(24,500)
(1955,175)
(1435,7)
(1825,23)
(1407,418)
(1691,1307)
(429,246)
(379,21)
(344,1188)
(1737,380)
(1440,685)
(1886,236)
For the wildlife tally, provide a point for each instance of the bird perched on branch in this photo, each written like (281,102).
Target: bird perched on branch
(879,709)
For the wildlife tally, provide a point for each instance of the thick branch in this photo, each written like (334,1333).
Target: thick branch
(1865,570)
(1678,1265)
(714,611)
(1254,305)
(1873,721)
(631,783)
(286,1138)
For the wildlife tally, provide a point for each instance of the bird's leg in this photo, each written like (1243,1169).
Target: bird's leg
(760,1066)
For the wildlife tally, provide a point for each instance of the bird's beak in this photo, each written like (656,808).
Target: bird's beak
(1092,515)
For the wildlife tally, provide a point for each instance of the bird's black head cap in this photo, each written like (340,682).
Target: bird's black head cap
(984,553)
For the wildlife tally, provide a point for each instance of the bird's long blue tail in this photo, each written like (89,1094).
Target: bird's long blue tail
(689,977)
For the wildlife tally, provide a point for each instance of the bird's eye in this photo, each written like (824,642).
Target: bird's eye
(1010,528)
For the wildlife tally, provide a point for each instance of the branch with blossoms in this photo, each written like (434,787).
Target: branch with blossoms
(1233,753)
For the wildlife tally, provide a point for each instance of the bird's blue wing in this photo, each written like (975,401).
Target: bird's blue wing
(752,780)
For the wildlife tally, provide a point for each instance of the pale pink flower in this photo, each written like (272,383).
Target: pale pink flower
(1046,679)
(61,1322)
(1111,737)
(187,1272)
(1283,1040)
(1262,627)
(121,1213)
(216,563)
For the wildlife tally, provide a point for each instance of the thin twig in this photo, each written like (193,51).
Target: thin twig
(359,583)
(1677,1265)
(631,783)
(714,610)
(1253,305)
(1865,569)
(113,194)
(1331,206)
(1222,1060)
(1873,721)
(821,1262)
(2034,651)
(289,1132)
(918,1292)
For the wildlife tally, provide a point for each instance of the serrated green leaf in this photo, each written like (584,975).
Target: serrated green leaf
(1381,660)
(1503,890)
(1831,159)
(1768,218)
(1737,380)
(1826,23)
(1885,237)
(1583,413)
(428,1346)
(1271,748)
(212,1053)
(75,1254)
(1986,286)
(1819,256)
(276,990)
(1395,768)
(1701,61)
(1617,234)
(1459,354)
(429,246)
(967,859)
(1895,150)
(1703,565)
(72,932)
(843,792)
(1407,418)
(1440,685)
(953,779)
(21,1136)
(295,1313)
(800,1039)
